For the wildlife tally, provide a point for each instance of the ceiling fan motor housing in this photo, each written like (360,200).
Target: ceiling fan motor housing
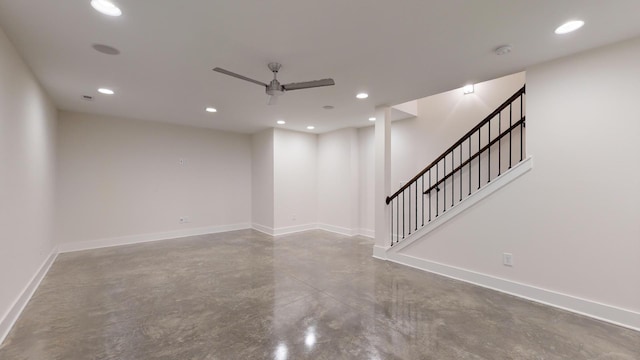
(274,88)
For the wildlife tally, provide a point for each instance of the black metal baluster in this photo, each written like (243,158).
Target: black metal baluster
(391,222)
(489,155)
(430,194)
(521,126)
(510,124)
(409,209)
(469,138)
(479,156)
(403,214)
(416,199)
(499,143)
(444,185)
(422,196)
(460,171)
(397,219)
(453,184)
(437,192)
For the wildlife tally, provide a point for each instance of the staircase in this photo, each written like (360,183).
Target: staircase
(481,156)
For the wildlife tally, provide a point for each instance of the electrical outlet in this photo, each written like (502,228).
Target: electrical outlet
(507,259)
(184,219)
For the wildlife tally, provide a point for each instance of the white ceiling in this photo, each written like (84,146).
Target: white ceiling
(394,50)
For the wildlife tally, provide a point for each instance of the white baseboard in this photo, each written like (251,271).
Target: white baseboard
(346,231)
(380,252)
(337,229)
(612,314)
(263,229)
(507,177)
(11,316)
(294,229)
(367,233)
(283,230)
(142,238)
(306,227)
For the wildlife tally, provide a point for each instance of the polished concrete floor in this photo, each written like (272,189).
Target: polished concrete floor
(312,295)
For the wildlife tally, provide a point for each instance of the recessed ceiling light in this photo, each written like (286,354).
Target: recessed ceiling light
(211,110)
(311,127)
(106,91)
(569,26)
(328,107)
(281,122)
(106,7)
(468,89)
(362,95)
(372,119)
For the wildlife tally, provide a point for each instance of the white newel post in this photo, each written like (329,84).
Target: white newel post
(382,180)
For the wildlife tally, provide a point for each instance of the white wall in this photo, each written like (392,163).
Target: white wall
(27,141)
(442,119)
(304,181)
(366,180)
(122,177)
(295,181)
(262,180)
(338,206)
(572,222)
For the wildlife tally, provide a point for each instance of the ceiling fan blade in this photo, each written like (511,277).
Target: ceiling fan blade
(308,84)
(227,72)
(273,99)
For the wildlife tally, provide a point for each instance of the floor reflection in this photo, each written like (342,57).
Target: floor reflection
(312,295)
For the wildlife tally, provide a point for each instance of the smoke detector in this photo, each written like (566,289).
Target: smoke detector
(503,50)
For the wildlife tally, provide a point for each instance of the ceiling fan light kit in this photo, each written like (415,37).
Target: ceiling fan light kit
(274,88)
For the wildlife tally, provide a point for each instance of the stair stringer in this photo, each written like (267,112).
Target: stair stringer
(501,181)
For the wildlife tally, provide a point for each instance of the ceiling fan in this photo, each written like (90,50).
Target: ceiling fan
(274,88)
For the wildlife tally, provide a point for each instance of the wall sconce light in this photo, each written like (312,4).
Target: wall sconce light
(468,89)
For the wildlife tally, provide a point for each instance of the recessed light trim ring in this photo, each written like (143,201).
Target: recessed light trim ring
(106,91)
(106,7)
(569,26)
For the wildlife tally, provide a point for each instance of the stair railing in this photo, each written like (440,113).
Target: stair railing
(461,170)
